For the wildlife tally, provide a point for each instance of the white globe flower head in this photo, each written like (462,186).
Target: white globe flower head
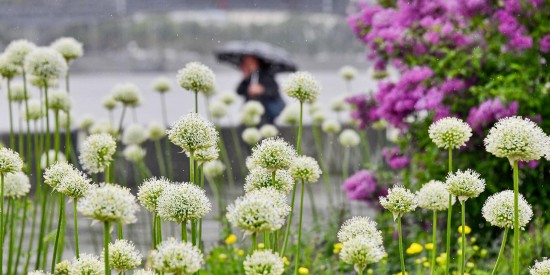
(498,210)
(68,47)
(213,169)
(134,153)
(74,184)
(218,109)
(261,178)
(123,255)
(331,126)
(302,86)
(38,272)
(104,127)
(97,152)
(63,267)
(399,201)
(156,131)
(54,174)
(253,108)
(305,169)
(349,138)
(465,184)
(291,114)
(450,133)
(161,85)
(36,111)
(362,227)
(51,156)
(260,210)
(175,257)
(360,252)
(206,154)
(86,122)
(273,154)
(434,196)
(10,162)
(540,268)
(63,120)
(59,100)
(251,135)
(45,64)
(8,69)
(263,262)
(43,83)
(143,272)
(338,105)
(17,93)
(269,131)
(250,120)
(109,102)
(183,202)
(228,98)
(318,117)
(109,203)
(518,139)
(87,264)
(16,185)
(249,163)
(192,132)
(150,191)
(348,72)
(128,94)
(196,77)
(134,134)
(17,50)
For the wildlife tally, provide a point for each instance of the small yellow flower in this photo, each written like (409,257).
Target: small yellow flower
(467,230)
(470,265)
(261,246)
(222,257)
(473,239)
(442,259)
(414,248)
(370,271)
(303,271)
(429,246)
(406,273)
(426,264)
(337,247)
(231,239)
(424,259)
(483,252)
(476,247)
(240,252)
(418,261)
(285,261)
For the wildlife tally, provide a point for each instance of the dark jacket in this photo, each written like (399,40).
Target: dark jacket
(270,99)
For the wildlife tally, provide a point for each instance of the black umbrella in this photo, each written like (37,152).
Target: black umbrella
(274,58)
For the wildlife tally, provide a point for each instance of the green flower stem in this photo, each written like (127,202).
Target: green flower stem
(502,246)
(191,167)
(312,201)
(106,241)
(75,221)
(10,104)
(56,137)
(267,243)
(184,230)
(276,240)
(237,145)
(463,243)
(194,232)
(49,226)
(160,158)
(2,223)
(12,235)
(201,180)
(449,219)
(154,230)
(400,234)
(299,245)
(56,247)
(345,163)
(108,173)
(20,134)
(48,134)
(318,140)
(6,218)
(169,159)
(225,157)
(24,75)
(254,242)
(196,102)
(159,230)
(68,139)
(360,271)
(121,119)
(299,143)
(43,204)
(434,242)
(365,147)
(120,234)
(516,218)
(22,235)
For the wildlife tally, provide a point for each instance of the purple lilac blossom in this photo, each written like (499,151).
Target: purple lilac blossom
(362,186)
(488,112)
(394,159)
(544,44)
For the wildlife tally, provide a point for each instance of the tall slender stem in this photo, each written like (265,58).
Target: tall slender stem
(106,241)
(12,235)
(24,75)
(75,220)
(159,230)
(120,234)
(58,233)
(434,242)
(160,158)
(121,119)
(48,134)
(299,143)
(10,104)
(449,219)
(56,137)
(463,242)
(502,246)
(194,232)
(196,102)
(191,167)
(254,242)
(22,233)
(154,230)
(2,223)
(400,234)
(516,218)
(166,144)
(184,230)
(299,245)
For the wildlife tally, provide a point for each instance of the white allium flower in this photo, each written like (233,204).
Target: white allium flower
(8,69)
(59,100)
(38,272)
(10,162)
(63,267)
(213,169)
(109,102)
(181,202)
(269,131)
(338,105)
(348,72)
(291,114)
(17,50)
(518,139)
(253,108)
(465,184)
(42,83)
(228,98)
(134,134)
(349,138)
(318,117)
(249,163)
(162,85)
(68,47)
(175,257)
(260,178)
(264,209)
(250,120)
(314,108)
(123,255)
(45,64)
(150,191)
(360,252)
(156,131)
(305,169)
(196,77)
(54,174)
(192,132)
(251,135)
(36,110)
(134,153)
(87,264)
(143,272)
(399,201)
(434,196)
(128,94)
(218,109)
(206,154)
(331,126)
(263,262)
(540,268)
(104,127)
(51,156)
(97,152)
(110,203)
(63,120)
(362,227)
(86,122)
(16,185)
(450,133)
(17,93)
(74,184)
(498,210)
(302,86)
(273,154)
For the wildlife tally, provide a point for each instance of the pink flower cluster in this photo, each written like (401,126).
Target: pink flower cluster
(362,186)
(488,112)
(394,159)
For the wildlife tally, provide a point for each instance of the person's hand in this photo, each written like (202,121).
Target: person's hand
(255,90)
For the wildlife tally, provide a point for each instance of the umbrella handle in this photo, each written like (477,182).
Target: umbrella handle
(255,77)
